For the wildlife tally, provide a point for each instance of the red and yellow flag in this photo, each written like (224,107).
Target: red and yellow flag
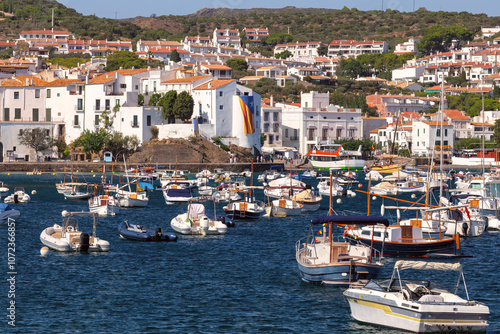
(247,108)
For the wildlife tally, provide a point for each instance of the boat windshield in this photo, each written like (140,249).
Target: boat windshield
(394,286)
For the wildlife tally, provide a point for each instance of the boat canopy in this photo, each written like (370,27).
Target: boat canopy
(351,220)
(423,265)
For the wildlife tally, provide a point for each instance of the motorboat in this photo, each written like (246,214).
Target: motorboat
(417,305)
(138,232)
(6,213)
(284,187)
(336,189)
(274,172)
(195,221)
(398,240)
(374,176)
(323,260)
(333,156)
(308,199)
(247,208)
(74,191)
(19,196)
(69,238)
(3,190)
(131,194)
(384,188)
(177,192)
(285,207)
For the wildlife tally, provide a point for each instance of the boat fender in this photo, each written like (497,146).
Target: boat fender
(465,228)
(84,242)
(172,237)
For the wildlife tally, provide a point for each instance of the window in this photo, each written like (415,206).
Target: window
(123,85)
(418,133)
(107,104)
(35,114)
(310,134)
(6,114)
(324,133)
(266,116)
(277,138)
(446,132)
(97,104)
(221,107)
(17,113)
(79,104)
(148,120)
(75,121)
(220,93)
(286,133)
(275,117)
(270,139)
(49,93)
(445,143)
(266,127)
(223,73)
(16,95)
(276,127)
(117,102)
(48,115)
(438,133)
(352,133)
(96,120)
(135,122)
(37,93)
(136,87)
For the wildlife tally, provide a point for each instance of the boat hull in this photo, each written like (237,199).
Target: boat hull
(434,319)
(237,214)
(338,274)
(339,164)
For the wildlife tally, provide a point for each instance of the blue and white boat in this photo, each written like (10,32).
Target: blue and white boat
(137,232)
(323,260)
(6,213)
(178,192)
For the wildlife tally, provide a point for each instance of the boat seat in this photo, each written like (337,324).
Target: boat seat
(431,298)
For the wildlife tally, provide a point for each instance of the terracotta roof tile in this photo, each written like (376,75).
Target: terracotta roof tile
(214,84)
(185,80)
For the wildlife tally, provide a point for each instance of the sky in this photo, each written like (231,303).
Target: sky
(131,8)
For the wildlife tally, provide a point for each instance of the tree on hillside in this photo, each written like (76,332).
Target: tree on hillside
(277,38)
(117,143)
(439,38)
(155,99)
(323,50)
(124,59)
(237,64)
(167,102)
(283,54)
(36,138)
(350,67)
(496,132)
(183,106)
(174,56)
(91,141)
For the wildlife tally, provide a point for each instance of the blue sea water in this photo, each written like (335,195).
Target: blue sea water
(246,281)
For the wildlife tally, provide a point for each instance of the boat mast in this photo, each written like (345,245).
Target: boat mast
(482,142)
(441,146)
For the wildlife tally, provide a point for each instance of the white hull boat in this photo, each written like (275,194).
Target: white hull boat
(286,207)
(104,205)
(196,222)
(19,196)
(68,237)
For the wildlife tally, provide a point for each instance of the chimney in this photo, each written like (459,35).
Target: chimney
(272,101)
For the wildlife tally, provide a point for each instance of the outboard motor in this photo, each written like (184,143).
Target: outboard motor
(465,228)
(84,242)
(344,192)
(158,234)
(16,198)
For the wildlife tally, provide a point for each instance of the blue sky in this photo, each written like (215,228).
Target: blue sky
(132,8)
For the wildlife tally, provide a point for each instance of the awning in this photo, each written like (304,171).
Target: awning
(423,265)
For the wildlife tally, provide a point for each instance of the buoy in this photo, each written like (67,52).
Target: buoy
(93,175)
(44,251)
(53,173)
(33,192)
(360,185)
(64,213)
(374,198)
(382,210)
(8,173)
(413,196)
(398,214)
(92,171)
(339,201)
(77,170)
(356,170)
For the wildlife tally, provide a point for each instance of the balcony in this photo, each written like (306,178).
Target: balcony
(134,124)
(294,138)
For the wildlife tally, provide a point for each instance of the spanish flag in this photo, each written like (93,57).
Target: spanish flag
(247,108)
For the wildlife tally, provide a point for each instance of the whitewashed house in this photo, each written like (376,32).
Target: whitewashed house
(426,137)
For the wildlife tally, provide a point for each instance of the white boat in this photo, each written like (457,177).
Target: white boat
(195,221)
(206,190)
(324,260)
(417,305)
(336,191)
(3,190)
(308,199)
(333,156)
(177,192)
(374,175)
(128,199)
(75,192)
(286,207)
(6,213)
(103,201)
(19,196)
(284,187)
(384,188)
(69,238)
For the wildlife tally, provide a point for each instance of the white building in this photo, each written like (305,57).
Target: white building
(315,120)
(409,46)
(299,49)
(229,110)
(226,37)
(426,137)
(351,48)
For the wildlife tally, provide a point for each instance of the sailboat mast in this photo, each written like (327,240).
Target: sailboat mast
(442,138)
(482,142)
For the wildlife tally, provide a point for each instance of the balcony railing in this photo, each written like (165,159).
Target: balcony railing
(134,124)
(294,138)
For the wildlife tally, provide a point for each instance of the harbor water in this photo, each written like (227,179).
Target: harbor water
(246,281)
